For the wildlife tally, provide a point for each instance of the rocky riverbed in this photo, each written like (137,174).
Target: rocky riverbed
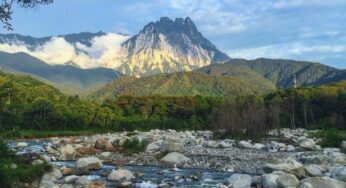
(291,158)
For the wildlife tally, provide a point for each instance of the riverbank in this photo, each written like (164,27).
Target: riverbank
(289,154)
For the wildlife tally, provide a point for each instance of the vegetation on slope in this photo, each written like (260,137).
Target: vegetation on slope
(28,104)
(180,84)
(279,72)
(61,75)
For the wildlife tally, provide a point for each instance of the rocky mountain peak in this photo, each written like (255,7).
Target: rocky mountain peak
(167,46)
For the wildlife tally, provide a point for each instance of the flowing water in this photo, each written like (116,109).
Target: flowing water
(150,177)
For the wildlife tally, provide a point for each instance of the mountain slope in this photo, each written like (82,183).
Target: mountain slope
(279,72)
(179,84)
(166,46)
(70,76)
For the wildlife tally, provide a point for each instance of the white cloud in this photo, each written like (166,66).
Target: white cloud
(295,50)
(59,51)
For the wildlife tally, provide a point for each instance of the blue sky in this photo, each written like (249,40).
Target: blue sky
(312,30)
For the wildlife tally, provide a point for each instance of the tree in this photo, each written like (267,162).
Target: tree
(6,9)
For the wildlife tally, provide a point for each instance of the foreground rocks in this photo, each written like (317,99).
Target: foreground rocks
(292,158)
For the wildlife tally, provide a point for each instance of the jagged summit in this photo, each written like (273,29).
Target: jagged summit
(166,46)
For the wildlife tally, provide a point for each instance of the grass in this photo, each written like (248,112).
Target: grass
(24,173)
(134,145)
(131,134)
(331,137)
(28,134)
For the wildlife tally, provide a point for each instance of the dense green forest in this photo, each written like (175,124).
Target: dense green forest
(26,103)
(279,72)
(181,84)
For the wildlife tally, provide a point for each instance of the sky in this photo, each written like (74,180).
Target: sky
(310,30)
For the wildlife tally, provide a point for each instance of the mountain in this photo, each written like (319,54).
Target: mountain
(62,75)
(166,46)
(33,42)
(179,84)
(279,72)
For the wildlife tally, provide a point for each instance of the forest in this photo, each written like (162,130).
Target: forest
(28,104)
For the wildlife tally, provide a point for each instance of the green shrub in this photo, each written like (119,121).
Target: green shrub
(134,145)
(331,138)
(23,173)
(131,134)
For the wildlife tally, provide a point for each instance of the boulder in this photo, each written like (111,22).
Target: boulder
(70,179)
(313,170)
(289,165)
(174,158)
(55,174)
(287,180)
(245,144)
(212,144)
(91,163)
(37,162)
(324,182)
(67,152)
(67,171)
(240,181)
(66,186)
(21,144)
(82,181)
(120,174)
(307,144)
(47,184)
(106,154)
(45,158)
(224,144)
(314,158)
(152,147)
(97,184)
(259,146)
(305,185)
(269,180)
(340,174)
(290,148)
(104,144)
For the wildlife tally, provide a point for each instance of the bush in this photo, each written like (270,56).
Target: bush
(134,145)
(331,139)
(22,174)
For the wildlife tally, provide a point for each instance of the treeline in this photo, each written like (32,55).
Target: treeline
(321,107)
(26,103)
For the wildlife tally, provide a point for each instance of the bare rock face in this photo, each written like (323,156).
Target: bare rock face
(166,46)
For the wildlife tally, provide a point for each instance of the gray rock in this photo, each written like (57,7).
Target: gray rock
(340,174)
(212,144)
(82,181)
(287,180)
(37,162)
(269,180)
(45,158)
(324,182)
(290,148)
(66,186)
(47,184)
(314,158)
(259,146)
(91,163)
(174,158)
(240,181)
(313,170)
(245,144)
(305,185)
(67,152)
(224,144)
(289,165)
(21,144)
(120,174)
(70,179)
(307,144)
